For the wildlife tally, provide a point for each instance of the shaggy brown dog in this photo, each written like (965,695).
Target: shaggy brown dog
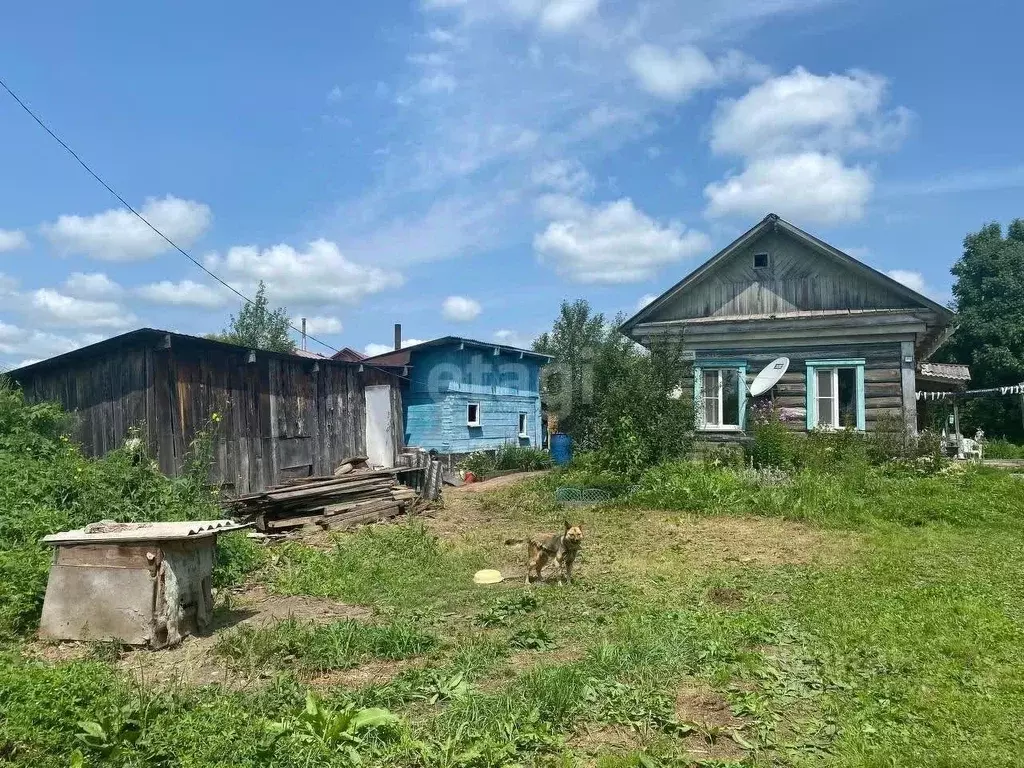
(562,547)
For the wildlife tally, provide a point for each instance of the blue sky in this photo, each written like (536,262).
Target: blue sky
(461,166)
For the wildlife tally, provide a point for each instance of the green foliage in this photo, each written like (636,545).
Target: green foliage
(396,565)
(503,610)
(637,422)
(258,326)
(773,444)
(566,382)
(321,729)
(50,486)
(507,458)
(532,638)
(988,295)
(322,647)
(1001,448)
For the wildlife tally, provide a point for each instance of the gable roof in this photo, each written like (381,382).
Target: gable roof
(773,223)
(402,356)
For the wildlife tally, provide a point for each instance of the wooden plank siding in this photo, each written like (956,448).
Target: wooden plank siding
(278,417)
(796,280)
(883,377)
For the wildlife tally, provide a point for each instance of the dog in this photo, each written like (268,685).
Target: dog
(563,547)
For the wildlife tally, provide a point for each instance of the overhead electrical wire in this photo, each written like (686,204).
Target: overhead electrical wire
(138,215)
(155,229)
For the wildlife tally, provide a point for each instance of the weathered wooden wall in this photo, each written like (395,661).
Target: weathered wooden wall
(883,376)
(797,280)
(277,416)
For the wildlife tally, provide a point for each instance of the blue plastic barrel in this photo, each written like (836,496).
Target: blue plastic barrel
(561,449)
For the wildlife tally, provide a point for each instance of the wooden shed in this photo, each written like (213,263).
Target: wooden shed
(279,416)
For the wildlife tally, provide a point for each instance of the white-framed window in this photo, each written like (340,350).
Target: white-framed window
(721,401)
(835,394)
(522,425)
(473,415)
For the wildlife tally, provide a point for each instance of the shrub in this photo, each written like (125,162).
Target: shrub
(49,486)
(1001,448)
(774,445)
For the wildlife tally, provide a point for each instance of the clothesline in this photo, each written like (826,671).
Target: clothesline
(1014,389)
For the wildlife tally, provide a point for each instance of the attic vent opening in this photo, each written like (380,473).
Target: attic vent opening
(762,260)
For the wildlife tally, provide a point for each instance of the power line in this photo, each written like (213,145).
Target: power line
(138,215)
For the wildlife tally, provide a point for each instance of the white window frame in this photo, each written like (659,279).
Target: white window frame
(479,415)
(832,367)
(699,395)
(524,423)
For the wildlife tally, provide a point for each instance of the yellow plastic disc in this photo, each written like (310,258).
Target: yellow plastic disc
(488,576)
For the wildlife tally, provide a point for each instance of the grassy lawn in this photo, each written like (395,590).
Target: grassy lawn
(861,619)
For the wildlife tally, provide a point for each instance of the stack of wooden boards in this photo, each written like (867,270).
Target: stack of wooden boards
(357,497)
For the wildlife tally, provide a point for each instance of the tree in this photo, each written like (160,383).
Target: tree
(258,326)
(573,341)
(989,300)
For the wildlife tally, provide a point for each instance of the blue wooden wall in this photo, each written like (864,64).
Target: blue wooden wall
(445,380)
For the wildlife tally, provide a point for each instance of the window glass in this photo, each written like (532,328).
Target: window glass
(473,413)
(730,397)
(825,399)
(522,423)
(711,400)
(847,397)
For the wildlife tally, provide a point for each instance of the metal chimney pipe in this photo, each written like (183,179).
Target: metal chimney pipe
(303,334)
(398,336)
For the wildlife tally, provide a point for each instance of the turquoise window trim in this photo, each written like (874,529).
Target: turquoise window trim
(812,389)
(698,394)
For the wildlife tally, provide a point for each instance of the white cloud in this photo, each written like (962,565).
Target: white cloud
(8,285)
(566,176)
(559,15)
(58,309)
(118,235)
(320,275)
(644,300)
(12,240)
(91,285)
(550,15)
(613,243)
(677,75)
(514,339)
(460,309)
(802,111)
(185,293)
(807,187)
(29,346)
(320,325)
(372,350)
(913,280)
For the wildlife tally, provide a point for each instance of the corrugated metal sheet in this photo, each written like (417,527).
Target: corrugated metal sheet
(950,371)
(107,532)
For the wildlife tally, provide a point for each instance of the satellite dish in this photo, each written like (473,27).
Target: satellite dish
(769,376)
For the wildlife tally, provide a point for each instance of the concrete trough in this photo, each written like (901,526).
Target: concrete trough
(144,584)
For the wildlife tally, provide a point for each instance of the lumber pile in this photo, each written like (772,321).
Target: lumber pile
(355,497)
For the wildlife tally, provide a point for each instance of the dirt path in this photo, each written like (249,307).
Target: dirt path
(494,483)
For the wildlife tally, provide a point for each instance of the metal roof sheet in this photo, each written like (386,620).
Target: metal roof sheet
(112,532)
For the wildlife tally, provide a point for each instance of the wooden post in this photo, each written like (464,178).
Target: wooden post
(956,428)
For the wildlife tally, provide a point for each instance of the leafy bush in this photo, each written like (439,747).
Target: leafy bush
(49,486)
(774,445)
(639,419)
(1001,448)
(507,458)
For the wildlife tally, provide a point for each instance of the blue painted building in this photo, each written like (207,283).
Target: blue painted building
(462,395)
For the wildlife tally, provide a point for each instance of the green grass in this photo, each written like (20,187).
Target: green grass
(900,646)
(320,648)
